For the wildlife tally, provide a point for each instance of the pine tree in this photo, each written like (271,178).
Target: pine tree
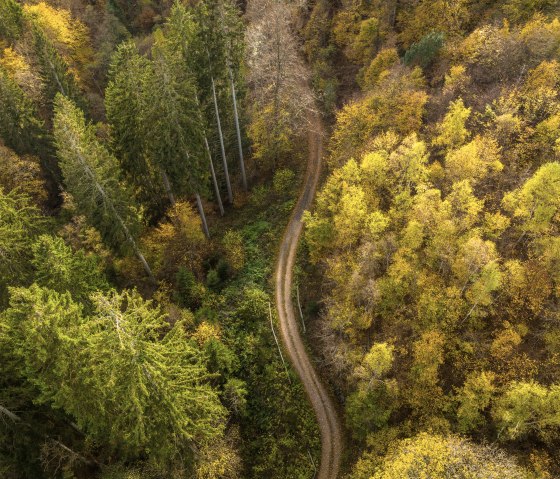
(19,127)
(11,20)
(59,268)
(173,141)
(209,48)
(180,33)
(54,69)
(125,100)
(20,223)
(132,384)
(92,176)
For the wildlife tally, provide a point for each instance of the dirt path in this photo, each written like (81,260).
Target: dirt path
(331,436)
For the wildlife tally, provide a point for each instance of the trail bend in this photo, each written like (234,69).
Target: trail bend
(323,405)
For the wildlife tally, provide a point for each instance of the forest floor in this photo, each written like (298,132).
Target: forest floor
(325,410)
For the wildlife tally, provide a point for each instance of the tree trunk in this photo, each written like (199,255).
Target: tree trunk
(126,232)
(9,414)
(224,158)
(202,215)
(167,186)
(238,129)
(134,246)
(214,180)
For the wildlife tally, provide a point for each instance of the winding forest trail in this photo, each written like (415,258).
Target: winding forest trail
(327,417)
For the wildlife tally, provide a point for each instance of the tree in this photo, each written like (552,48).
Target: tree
(60,269)
(277,78)
(11,26)
(424,52)
(230,21)
(527,407)
(20,223)
(174,141)
(212,48)
(537,202)
(438,457)
(377,362)
(474,398)
(474,161)
(69,36)
(22,173)
(181,37)
(54,69)
(133,384)
(20,128)
(92,176)
(426,395)
(452,130)
(125,98)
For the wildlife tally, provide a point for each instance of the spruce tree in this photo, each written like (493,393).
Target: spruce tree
(19,127)
(133,384)
(54,70)
(93,177)
(125,100)
(11,20)
(20,223)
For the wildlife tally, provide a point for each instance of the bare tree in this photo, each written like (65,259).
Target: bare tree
(277,76)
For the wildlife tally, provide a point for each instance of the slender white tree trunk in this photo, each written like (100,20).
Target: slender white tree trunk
(167,186)
(202,215)
(238,129)
(224,158)
(214,180)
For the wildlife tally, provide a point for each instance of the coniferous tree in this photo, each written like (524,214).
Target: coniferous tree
(59,268)
(131,383)
(54,69)
(125,99)
(210,53)
(92,176)
(20,223)
(19,127)
(180,31)
(11,24)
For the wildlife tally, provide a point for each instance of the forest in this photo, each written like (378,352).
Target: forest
(154,156)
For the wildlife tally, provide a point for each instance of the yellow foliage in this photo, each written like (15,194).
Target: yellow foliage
(452,130)
(428,456)
(206,332)
(384,60)
(177,242)
(505,343)
(474,161)
(23,173)
(457,79)
(70,36)
(13,62)
(59,25)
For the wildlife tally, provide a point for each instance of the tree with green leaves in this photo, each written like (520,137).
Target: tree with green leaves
(54,69)
(93,178)
(537,203)
(173,141)
(125,97)
(20,128)
(528,407)
(12,20)
(132,383)
(209,47)
(20,223)
(59,268)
